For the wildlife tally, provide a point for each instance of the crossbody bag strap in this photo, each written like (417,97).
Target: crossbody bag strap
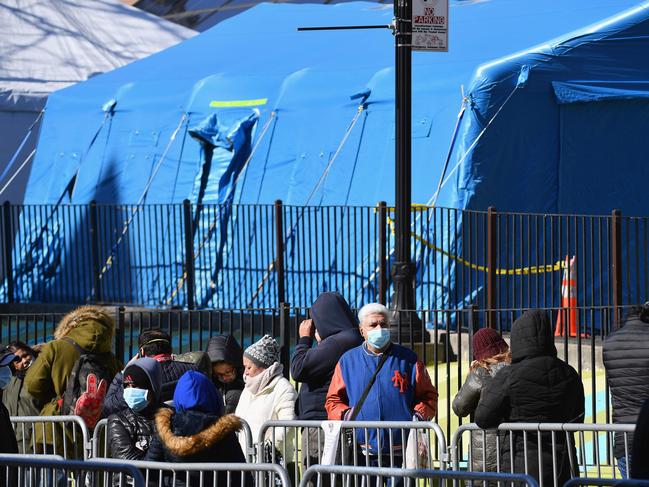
(359,404)
(79,348)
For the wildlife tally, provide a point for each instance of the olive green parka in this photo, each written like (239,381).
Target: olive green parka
(92,329)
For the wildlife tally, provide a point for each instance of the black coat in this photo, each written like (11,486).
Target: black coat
(314,367)
(8,444)
(640,452)
(172,370)
(130,434)
(626,360)
(196,437)
(225,348)
(537,387)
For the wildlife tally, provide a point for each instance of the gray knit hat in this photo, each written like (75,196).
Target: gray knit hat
(264,352)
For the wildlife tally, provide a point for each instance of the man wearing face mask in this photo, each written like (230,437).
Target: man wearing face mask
(402,388)
(130,431)
(8,443)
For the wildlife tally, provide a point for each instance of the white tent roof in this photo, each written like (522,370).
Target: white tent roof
(46,45)
(49,44)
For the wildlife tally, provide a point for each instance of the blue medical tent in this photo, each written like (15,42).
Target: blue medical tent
(252,111)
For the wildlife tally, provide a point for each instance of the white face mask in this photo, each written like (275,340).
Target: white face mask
(5,376)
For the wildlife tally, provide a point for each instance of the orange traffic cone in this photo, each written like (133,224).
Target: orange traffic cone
(568,299)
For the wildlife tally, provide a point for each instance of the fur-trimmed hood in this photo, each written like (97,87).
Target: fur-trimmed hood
(90,327)
(185,446)
(83,315)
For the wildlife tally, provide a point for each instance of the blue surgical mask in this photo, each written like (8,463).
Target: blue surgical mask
(5,376)
(378,338)
(136,399)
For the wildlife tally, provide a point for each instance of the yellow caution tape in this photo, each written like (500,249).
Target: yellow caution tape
(238,103)
(520,271)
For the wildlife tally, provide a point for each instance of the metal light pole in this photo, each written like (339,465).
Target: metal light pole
(403,270)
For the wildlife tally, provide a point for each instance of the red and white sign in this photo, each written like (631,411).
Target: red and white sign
(430,25)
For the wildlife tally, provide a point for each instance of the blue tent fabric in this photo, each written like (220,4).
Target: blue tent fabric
(318,107)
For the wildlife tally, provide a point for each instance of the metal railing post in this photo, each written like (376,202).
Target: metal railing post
(492,248)
(285,336)
(8,246)
(119,333)
(616,264)
(383,258)
(189,271)
(279,252)
(94,250)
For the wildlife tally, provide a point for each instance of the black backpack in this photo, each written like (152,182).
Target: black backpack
(87,385)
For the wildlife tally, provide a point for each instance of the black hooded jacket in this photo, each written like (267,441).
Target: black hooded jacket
(314,367)
(225,348)
(537,387)
(626,360)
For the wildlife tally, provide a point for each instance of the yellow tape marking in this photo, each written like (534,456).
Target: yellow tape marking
(238,103)
(520,271)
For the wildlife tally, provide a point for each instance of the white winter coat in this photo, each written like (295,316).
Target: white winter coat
(275,400)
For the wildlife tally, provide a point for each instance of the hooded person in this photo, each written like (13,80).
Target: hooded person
(334,330)
(268,395)
(15,396)
(537,387)
(130,431)
(198,431)
(8,443)
(226,357)
(490,355)
(87,328)
(154,343)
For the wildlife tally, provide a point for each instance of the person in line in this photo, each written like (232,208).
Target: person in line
(490,354)
(626,361)
(156,344)
(87,328)
(334,329)
(15,396)
(640,452)
(267,395)
(226,356)
(537,387)
(402,388)
(130,430)
(198,432)
(8,442)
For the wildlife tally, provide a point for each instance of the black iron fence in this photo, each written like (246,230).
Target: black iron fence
(256,256)
(442,339)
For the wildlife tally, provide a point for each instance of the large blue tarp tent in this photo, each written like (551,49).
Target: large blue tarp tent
(251,111)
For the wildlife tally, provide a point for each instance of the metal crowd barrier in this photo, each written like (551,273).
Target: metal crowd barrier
(374,476)
(57,426)
(594,445)
(36,470)
(100,447)
(296,452)
(586,482)
(159,474)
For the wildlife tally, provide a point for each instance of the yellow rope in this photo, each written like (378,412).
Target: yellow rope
(519,271)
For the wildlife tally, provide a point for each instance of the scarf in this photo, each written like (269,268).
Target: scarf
(258,382)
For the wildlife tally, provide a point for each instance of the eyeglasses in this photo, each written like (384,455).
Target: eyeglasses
(226,374)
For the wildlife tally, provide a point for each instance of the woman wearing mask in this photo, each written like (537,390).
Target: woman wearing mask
(267,394)
(490,354)
(130,431)
(227,369)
